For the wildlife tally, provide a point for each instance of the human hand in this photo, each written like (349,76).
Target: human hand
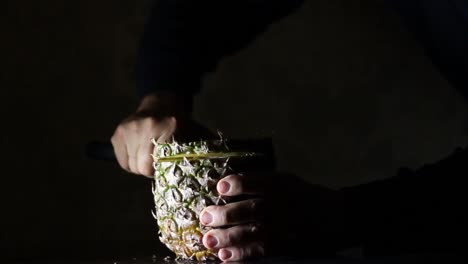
(161,117)
(270,216)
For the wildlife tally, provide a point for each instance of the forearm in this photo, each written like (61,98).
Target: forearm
(184,39)
(415,210)
(165,103)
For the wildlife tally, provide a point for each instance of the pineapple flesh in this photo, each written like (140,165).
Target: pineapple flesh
(185,181)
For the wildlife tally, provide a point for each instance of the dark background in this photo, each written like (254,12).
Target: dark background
(346,93)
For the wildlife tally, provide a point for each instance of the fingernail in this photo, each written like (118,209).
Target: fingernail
(206,218)
(225,254)
(211,241)
(223,187)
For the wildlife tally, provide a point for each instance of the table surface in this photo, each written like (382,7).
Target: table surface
(428,258)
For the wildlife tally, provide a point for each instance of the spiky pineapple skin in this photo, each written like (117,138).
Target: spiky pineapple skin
(182,189)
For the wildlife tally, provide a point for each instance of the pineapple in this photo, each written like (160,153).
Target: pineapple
(185,181)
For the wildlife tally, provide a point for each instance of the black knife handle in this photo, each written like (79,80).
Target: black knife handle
(99,150)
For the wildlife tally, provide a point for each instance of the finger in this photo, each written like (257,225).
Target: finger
(144,160)
(169,130)
(165,135)
(249,251)
(233,185)
(232,214)
(132,149)
(232,236)
(120,150)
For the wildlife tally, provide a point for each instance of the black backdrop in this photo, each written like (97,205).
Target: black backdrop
(361,100)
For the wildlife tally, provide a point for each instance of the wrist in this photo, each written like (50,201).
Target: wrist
(165,103)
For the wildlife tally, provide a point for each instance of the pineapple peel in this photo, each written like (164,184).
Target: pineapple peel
(185,181)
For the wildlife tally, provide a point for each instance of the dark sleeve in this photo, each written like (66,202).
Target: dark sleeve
(441,26)
(415,211)
(425,209)
(184,39)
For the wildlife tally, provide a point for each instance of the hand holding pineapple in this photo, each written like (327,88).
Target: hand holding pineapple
(243,237)
(279,215)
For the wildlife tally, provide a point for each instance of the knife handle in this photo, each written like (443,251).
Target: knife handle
(99,150)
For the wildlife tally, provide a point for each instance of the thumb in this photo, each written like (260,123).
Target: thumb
(169,130)
(167,134)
